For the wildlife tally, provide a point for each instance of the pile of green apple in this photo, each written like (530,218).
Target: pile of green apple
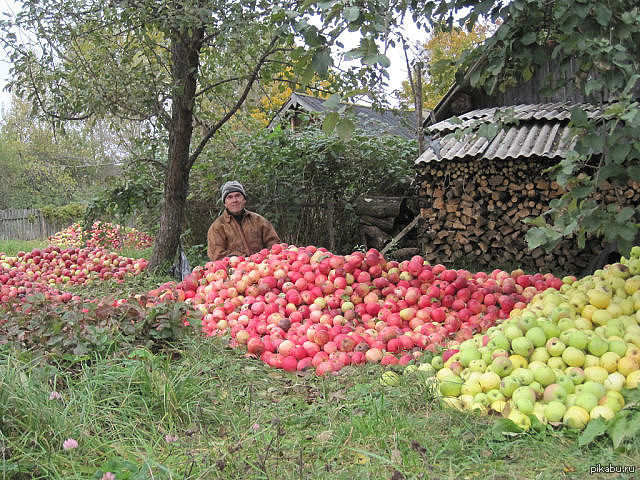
(565,358)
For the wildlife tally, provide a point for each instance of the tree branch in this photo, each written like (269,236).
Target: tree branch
(252,78)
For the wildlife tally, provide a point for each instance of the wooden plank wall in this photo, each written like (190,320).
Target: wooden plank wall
(25,224)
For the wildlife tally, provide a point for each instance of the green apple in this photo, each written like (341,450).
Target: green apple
(451,386)
(426,369)
(614,381)
(554,392)
(522,346)
(555,347)
(576,374)
(618,346)
(534,365)
(512,331)
(478,365)
(502,366)
(520,419)
(573,357)
(537,336)
(481,398)
(578,339)
(489,381)
(545,375)
(565,324)
(586,400)
(609,361)
(539,354)
(437,362)
(444,372)
(527,320)
(594,387)
(591,361)
(583,324)
(499,342)
(565,381)
(596,374)
(550,328)
(576,417)
(471,388)
(557,363)
(564,335)
(613,400)
(523,375)
(469,354)
(466,401)
(537,388)
(525,405)
(495,395)
(554,411)
(601,411)
(508,385)
(523,392)
(601,317)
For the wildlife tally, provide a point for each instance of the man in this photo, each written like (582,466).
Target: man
(238,231)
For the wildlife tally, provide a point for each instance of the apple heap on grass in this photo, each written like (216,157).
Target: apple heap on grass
(45,270)
(303,307)
(101,235)
(564,358)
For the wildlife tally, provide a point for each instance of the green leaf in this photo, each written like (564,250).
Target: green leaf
(504,426)
(528,38)
(351,14)
(329,122)
(618,430)
(603,14)
(332,102)
(619,152)
(578,117)
(321,61)
(345,129)
(594,429)
(384,61)
(536,237)
(625,214)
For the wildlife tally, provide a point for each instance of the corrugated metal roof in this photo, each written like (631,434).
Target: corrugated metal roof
(538,130)
(516,113)
(401,123)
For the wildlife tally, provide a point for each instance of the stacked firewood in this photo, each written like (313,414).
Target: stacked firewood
(381,218)
(476,211)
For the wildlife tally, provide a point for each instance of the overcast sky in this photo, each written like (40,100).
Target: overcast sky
(397,70)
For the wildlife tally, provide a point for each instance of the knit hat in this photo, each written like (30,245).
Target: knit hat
(230,187)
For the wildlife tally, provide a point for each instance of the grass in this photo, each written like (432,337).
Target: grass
(234,417)
(11,247)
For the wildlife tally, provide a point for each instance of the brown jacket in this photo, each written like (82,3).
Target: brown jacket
(226,237)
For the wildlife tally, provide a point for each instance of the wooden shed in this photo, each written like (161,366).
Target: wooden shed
(475,193)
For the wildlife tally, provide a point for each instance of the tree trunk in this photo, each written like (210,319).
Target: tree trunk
(185,53)
(418,104)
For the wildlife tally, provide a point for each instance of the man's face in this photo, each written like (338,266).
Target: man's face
(235,202)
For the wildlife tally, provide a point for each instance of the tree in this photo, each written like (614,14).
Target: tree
(48,166)
(185,67)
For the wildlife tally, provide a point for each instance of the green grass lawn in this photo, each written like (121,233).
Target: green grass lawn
(205,411)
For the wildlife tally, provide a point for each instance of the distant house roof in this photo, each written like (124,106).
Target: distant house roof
(529,130)
(393,122)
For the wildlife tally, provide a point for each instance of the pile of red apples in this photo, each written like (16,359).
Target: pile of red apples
(298,308)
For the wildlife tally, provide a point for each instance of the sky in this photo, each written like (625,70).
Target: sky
(397,70)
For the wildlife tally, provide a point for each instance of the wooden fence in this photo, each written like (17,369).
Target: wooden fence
(25,224)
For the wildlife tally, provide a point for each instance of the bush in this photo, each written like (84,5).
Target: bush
(305,181)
